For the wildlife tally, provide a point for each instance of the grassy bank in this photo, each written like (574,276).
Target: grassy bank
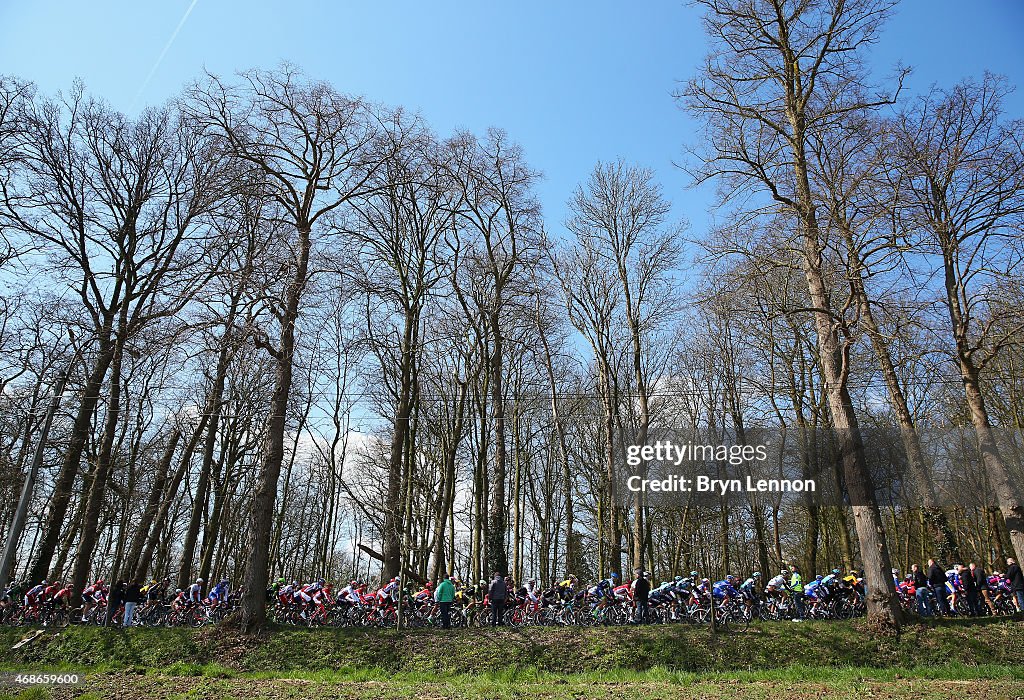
(798,660)
(557,650)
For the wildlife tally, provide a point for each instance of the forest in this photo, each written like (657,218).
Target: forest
(270,329)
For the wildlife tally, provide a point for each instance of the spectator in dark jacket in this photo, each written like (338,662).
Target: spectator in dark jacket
(1016,579)
(981,581)
(114,602)
(924,604)
(641,592)
(497,593)
(970,585)
(937,582)
(132,597)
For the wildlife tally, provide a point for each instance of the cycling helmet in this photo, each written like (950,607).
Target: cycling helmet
(819,577)
(835,572)
(784,572)
(614,576)
(199,580)
(679,579)
(44,583)
(353,583)
(320,582)
(664,583)
(177,591)
(694,574)
(757,574)
(730,577)
(895,571)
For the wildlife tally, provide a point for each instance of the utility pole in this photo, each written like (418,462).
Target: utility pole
(30,479)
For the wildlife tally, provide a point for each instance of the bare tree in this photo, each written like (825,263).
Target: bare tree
(117,204)
(400,230)
(780,73)
(621,214)
(963,191)
(315,149)
(498,207)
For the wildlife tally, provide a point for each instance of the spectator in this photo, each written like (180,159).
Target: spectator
(796,587)
(924,604)
(497,593)
(114,602)
(937,584)
(445,595)
(641,592)
(981,582)
(132,596)
(970,585)
(1016,579)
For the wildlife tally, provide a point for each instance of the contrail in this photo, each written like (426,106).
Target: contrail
(167,46)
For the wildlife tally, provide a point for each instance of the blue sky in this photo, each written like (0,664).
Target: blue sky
(573,82)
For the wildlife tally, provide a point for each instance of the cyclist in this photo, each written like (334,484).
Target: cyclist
(219,593)
(388,592)
(62,598)
(180,600)
(725,590)
(812,590)
(286,594)
(195,592)
(50,591)
(349,595)
(748,589)
(953,587)
(567,587)
(32,595)
(425,593)
(532,593)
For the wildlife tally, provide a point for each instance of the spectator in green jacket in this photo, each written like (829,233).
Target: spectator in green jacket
(796,585)
(444,595)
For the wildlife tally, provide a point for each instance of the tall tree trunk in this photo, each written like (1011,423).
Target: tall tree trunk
(1007,491)
(882,601)
(213,408)
(148,516)
(497,556)
(104,462)
(563,450)
(936,520)
(254,609)
(65,481)
(611,508)
(167,501)
(393,507)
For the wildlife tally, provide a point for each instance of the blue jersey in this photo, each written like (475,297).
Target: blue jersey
(722,589)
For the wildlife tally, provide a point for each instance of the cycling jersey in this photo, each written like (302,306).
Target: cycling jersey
(349,594)
(387,591)
(721,589)
(195,592)
(33,594)
(219,593)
